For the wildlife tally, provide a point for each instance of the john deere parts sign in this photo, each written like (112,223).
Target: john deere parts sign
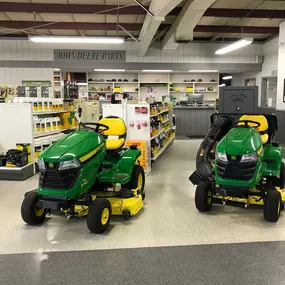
(89,55)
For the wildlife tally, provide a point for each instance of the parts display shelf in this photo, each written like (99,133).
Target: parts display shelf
(26,135)
(148,125)
(142,86)
(162,132)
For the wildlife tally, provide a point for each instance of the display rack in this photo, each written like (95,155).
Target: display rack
(22,132)
(164,130)
(57,84)
(163,149)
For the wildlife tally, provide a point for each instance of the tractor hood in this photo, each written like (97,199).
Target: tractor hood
(240,141)
(74,145)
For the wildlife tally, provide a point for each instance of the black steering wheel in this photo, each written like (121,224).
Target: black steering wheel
(246,124)
(96,127)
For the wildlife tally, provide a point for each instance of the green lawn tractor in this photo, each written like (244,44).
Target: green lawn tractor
(79,173)
(247,167)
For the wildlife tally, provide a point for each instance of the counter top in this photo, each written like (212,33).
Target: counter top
(194,107)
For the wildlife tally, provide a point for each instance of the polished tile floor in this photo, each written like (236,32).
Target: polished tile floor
(169,217)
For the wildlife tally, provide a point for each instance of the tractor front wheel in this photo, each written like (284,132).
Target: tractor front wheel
(137,180)
(99,215)
(272,206)
(30,212)
(204,197)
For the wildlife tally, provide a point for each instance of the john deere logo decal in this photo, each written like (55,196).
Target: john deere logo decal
(51,165)
(233,157)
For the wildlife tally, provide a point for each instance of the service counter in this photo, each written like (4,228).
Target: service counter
(193,121)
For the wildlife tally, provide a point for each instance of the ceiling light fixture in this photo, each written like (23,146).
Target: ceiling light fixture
(202,71)
(79,39)
(153,70)
(234,46)
(56,69)
(110,70)
(227,77)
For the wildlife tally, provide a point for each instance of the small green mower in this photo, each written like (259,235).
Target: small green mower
(247,168)
(79,173)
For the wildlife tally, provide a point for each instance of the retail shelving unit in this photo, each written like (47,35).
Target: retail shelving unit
(163,133)
(57,84)
(104,84)
(206,83)
(142,86)
(21,131)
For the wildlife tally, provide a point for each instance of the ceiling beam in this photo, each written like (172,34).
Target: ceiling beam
(241,13)
(237,30)
(68,8)
(160,9)
(68,25)
(130,10)
(130,27)
(184,24)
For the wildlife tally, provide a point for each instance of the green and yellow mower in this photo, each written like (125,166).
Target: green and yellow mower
(247,167)
(79,173)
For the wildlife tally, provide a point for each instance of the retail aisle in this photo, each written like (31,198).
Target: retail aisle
(169,217)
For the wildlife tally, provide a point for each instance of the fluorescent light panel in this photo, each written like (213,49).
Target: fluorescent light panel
(202,71)
(110,70)
(152,70)
(79,39)
(56,69)
(234,46)
(227,77)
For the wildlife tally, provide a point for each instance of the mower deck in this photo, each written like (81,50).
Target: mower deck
(253,198)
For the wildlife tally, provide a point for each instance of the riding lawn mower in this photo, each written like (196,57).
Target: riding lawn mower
(247,166)
(79,173)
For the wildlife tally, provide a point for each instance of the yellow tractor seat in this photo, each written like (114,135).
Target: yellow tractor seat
(262,129)
(116,135)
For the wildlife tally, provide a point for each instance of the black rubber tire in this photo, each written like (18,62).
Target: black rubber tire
(201,197)
(126,214)
(28,209)
(133,183)
(271,211)
(94,223)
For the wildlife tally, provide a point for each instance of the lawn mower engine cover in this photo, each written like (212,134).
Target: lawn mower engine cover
(69,167)
(238,162)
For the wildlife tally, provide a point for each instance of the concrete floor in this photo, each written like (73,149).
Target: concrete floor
(169,217)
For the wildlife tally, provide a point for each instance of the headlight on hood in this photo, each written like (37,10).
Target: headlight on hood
(221,156)
(69,164)
(249,157)
(41,164)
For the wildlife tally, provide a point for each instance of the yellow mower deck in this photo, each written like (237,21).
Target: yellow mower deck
(252,199)
(133,204)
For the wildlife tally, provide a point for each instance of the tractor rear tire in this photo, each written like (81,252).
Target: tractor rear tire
(31,214)
(138,171)
(204,197)
(99,216)
(272,206)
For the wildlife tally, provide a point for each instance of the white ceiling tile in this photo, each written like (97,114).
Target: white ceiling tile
(94,33)
(89,18)
(4,17)
(21,16)
(65,32)
(50,1)
(98,2)
(57,17)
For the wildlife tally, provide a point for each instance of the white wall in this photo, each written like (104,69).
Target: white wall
(14,76)
(281,68)
(188,53)
(270,64)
